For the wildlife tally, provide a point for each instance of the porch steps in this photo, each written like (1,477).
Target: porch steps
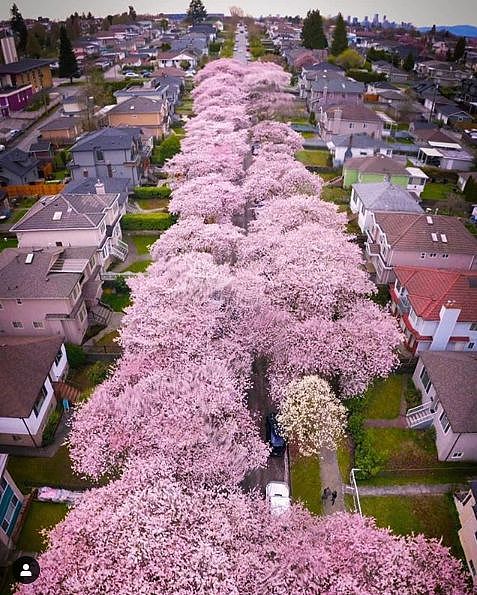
(420,416)
(64,390)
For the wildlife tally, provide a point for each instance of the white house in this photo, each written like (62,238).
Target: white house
(30,367)
(466,505)
(447,382)
(11,502)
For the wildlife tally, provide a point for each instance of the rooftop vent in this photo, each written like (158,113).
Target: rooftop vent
(434,237)
(29,258)
(57,215)
(444,238)
(429,220)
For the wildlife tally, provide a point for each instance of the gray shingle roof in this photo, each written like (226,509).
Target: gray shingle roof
(378,164)
(17,161)
(336,84)
(353,112)
(454,376)
(78,211)
(88,186)
(358,141)
(34,356)
(384,196)
(139,105)
(19,280)
(61,124)
(108,139)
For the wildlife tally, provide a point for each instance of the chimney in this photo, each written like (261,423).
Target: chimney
(99,187)
(9,51)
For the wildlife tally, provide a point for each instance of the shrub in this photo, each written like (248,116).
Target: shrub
(167,149)
(152,221)
(120,285)
(51,425)
(98,372)
(76,355)
(363,76)
(152,191)
(367,460)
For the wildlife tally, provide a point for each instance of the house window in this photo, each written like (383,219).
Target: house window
(457,455)
(1,306)
(472,567)
(473,326)
(3,485)
(7,519)
(40,400)
(432,255)
(445,425)
(467,498)
(82,313)
(58,357)
(470,345)
(351,125)
(445,256)
(423,255)
(425,380)
(99,155)
(17,324)
(74,293)
(19,302)
(37,324)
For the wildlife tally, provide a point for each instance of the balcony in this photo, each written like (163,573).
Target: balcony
(120,250)
(403,305)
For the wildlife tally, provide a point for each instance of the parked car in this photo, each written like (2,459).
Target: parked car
(133,75)
(278,497)
(277,442)
(146,74)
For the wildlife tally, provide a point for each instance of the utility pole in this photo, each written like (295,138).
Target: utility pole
(433,101)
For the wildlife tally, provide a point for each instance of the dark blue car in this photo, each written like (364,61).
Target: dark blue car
(276,441)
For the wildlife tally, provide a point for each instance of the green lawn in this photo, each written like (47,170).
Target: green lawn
(8,243)
(305,482)
(139,267)
(186,107)
(436,191)
(152,203)
(383,398)
(117,301)
(337,195)
(41,515)
(434,516)
(308,134)
(142,243)
(60,174)
(29,472)
(17,215)
(313,157)
(108,339)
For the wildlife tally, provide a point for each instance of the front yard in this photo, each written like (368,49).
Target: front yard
(305,482)
(434,516)
(314,157)
(436,191)
(41,515)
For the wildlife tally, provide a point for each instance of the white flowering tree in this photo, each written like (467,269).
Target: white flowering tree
(311,415)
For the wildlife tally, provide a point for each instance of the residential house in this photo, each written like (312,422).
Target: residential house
(447,382)
(61,131)
(315,71)
(381,196)
(50,291)
(11,503)
(348,118)
(28,71)
(381,168)
(42,150)
(111,152)
(74,105)
(76,220)
(175,58)
(411,239)
(468,93)
(17,167)
(466,505)
(453,115)
(31,368)
(14,99)
(394,74)
(150,114)
(447,74)
(348,146)
(205,29)
(436,308)
(92,186)
(326,91)
(426,132)
(445,158)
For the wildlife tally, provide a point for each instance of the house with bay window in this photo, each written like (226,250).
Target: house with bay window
(31,368)
(436,309)
(447,381)
(11,502)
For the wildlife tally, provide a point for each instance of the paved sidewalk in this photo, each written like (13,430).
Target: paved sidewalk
(331,478)
(414,489)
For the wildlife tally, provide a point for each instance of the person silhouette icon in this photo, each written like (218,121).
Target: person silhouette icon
(26,571)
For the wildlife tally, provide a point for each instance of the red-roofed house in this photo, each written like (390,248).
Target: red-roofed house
(437,309)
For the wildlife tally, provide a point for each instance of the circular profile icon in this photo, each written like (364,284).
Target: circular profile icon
(25,570)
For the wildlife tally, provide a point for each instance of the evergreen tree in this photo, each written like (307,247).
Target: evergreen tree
(340,37)
(408,63)
(312,33)
(459,50)
(470,190)
(132,13)
(33,47)
(196,12)
(68,65)
(19,28)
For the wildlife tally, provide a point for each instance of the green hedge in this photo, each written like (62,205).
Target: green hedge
(75,354)
(152,191)
(363,76)
(167,149)
(366,458)
(152,221)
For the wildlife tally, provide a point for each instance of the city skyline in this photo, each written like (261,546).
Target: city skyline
(427,12)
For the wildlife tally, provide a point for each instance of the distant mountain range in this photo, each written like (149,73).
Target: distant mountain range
(460,30)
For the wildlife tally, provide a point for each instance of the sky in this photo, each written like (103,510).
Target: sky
(419,12)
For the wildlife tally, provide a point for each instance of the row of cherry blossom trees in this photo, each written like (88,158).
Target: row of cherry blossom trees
(256,266)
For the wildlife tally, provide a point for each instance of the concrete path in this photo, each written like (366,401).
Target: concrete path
(331,478)
(414,489)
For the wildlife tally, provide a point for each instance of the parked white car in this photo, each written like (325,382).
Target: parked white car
(278,497)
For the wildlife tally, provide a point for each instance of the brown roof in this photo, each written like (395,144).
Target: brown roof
(430,289)
(378,164)
(454,376)
(26,362)
(435,136)
(412,232)
(168,71)
(354,112)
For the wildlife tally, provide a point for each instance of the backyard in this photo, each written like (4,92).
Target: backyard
(383,398)
(117,301)
(8,243)
(143,243)
(148,204)
(436,191)
(41,515)
(139,266)
(315,158)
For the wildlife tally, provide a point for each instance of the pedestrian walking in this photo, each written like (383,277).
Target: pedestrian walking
(326,494)
(334,495)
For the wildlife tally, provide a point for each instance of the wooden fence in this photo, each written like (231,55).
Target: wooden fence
(40,188)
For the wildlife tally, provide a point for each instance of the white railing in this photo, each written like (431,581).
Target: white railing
(354,486)
(112,276)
